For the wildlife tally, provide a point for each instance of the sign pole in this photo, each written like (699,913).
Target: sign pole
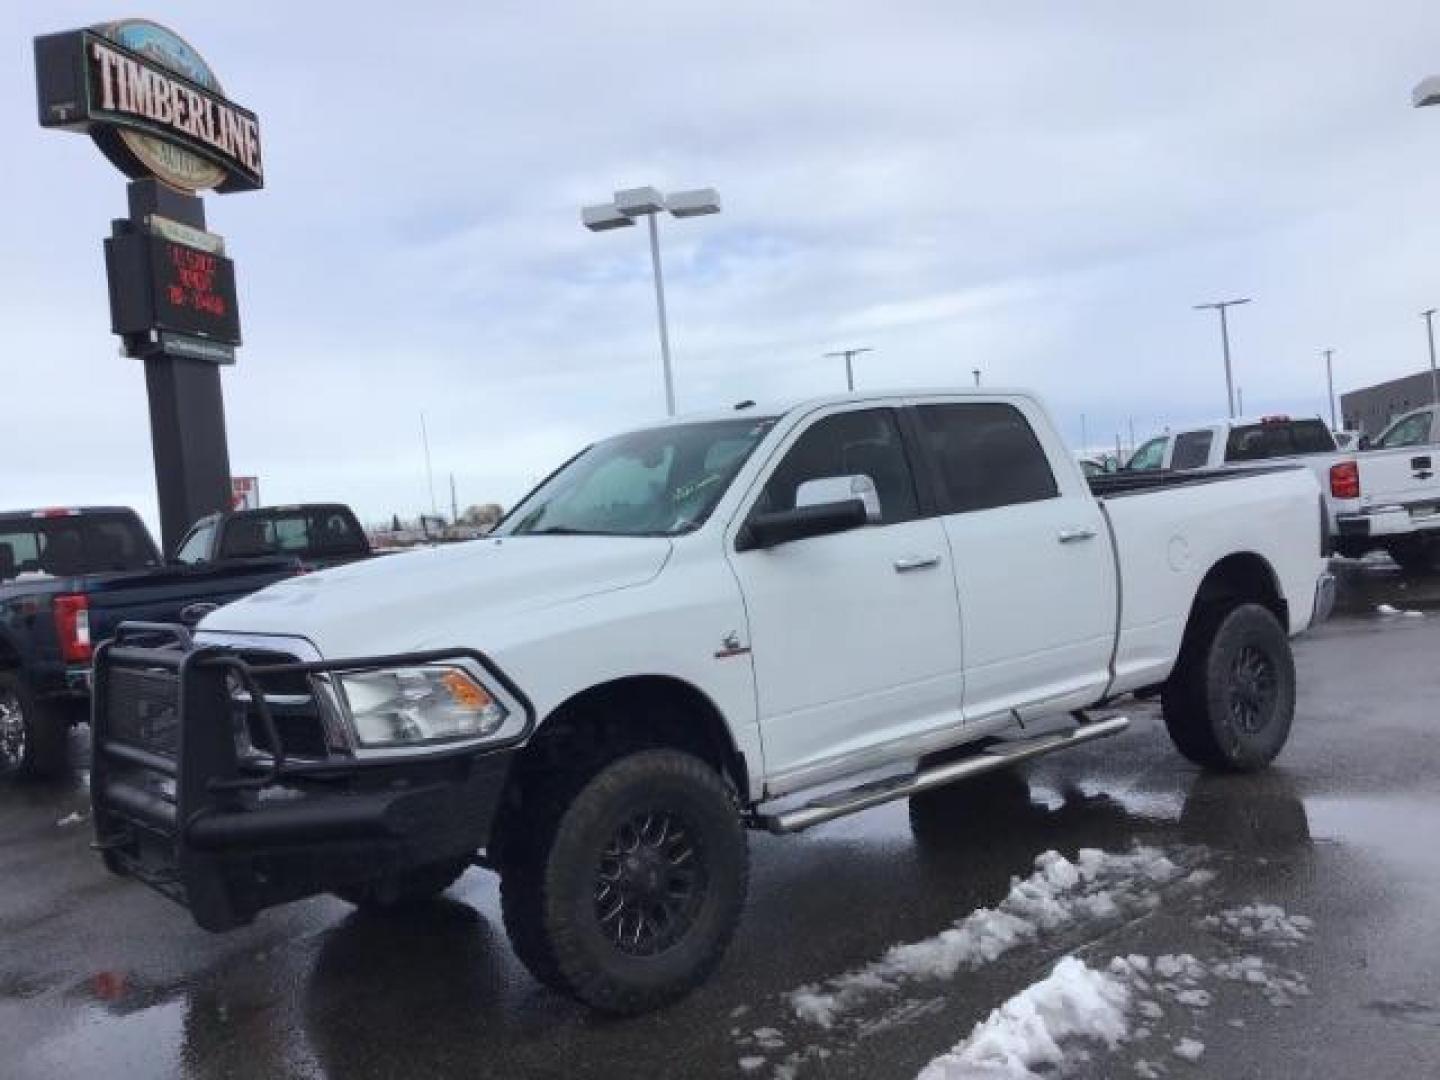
(155,109)
(187,407)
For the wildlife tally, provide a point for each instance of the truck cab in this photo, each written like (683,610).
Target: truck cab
(317,535)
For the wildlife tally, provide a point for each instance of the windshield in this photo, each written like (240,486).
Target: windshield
(1412,430)
(659,482)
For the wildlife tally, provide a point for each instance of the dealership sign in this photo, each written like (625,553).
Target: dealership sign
(151,103)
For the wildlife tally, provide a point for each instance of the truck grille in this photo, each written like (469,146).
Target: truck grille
(293,707)
(144,709)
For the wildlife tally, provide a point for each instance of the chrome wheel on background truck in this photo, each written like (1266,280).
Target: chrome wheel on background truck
(32,741)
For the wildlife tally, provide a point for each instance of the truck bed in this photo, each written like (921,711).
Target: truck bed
(1117,485)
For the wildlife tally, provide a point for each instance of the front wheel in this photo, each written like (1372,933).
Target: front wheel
(1230,702)
(626,894)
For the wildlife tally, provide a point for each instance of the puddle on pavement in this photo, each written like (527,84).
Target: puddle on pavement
(141,1044)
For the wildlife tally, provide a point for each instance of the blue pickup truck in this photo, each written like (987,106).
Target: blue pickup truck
(68,577)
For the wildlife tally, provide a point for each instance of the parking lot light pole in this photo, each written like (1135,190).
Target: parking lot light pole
(849,355)
(1221,306)
(1429,317)
(648,202)
(1330,388)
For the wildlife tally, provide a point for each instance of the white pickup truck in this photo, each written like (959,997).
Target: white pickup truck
(764,619)
(1384,497)
(1390,497)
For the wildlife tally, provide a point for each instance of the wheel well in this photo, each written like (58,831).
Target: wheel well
(605,721)
(1244,578)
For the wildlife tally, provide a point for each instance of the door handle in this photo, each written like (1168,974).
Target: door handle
(916,562)
(1424,474)
(1070,536)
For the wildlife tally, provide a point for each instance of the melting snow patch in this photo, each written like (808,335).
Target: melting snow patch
(75,818)
(1097,886)
(1189,1049)
(1388,610)
(750,1064)
(1026,1033)
(1265,923)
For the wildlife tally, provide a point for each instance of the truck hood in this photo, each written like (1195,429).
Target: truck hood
(393,603)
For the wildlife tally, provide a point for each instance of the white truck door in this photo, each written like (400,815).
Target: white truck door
(1033,559)
(854,636)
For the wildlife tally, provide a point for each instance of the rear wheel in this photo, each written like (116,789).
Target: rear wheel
(628,885)
(398,893)
(33,738)
(1230,702)
(1417,554)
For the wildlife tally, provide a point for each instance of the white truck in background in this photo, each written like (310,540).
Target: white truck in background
(1390,499)
(1383,497)
(764,619)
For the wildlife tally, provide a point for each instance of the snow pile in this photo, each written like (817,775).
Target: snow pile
(1389,611)
(1048,1028)
(1059,895)
(1189,1049)
(1279,986)
(1029,1032)
(1264,923)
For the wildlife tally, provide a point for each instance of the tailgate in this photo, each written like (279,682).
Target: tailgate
(1402,477)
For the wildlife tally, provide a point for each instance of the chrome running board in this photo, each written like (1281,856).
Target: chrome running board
(993,756)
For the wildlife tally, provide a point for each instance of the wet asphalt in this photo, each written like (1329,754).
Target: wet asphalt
(101,978)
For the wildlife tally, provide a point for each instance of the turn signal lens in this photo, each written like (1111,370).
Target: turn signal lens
(466,692)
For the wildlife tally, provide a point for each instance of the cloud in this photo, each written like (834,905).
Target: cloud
(1040,191)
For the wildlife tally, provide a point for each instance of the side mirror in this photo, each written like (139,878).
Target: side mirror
(821,519)
(833,489)
(1364,443)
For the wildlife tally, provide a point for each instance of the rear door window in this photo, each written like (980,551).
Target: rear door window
(1192,449)
(987,455)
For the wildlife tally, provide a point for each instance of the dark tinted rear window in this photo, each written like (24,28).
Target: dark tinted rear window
(66,546)
(1278,438)
(987,455)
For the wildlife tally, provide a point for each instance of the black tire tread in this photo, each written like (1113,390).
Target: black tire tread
(533,915)
(1188,695)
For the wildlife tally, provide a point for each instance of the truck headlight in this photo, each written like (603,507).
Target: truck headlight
(402,706)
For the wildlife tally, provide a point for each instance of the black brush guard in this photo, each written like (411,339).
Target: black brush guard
(178,806)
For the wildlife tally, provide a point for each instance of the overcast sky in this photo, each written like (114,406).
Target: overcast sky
(1038,190)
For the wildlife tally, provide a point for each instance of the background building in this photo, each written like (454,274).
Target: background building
(1369,409)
